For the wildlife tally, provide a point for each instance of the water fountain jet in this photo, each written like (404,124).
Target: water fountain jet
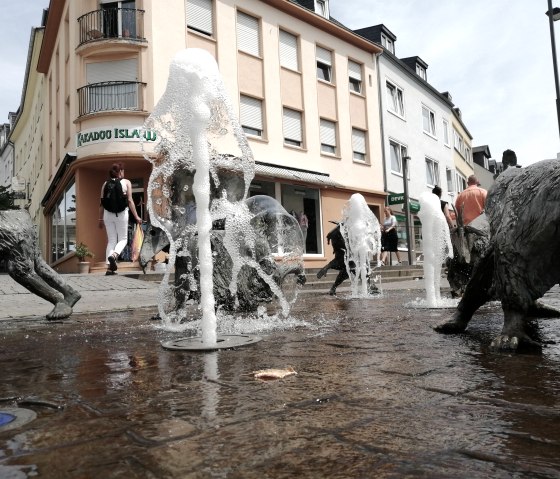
(203,159)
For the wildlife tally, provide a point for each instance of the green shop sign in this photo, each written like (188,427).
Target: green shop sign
(100,135)
(398,199)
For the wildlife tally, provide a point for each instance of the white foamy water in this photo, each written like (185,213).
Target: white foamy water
(202,170)
(362,237)
(436,246)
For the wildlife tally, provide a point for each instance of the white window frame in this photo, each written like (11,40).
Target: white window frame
(432,172)
(359,145)
(388,43)
(450,179)
(251,115)
(200,16)
(248,34)
(430,116)
(322,8)
(355,76)
(401,151)
(289,51)
(421,71)
(324,64)
(327,130)
(460,182)
(292,127)
(446,133)
(395,99)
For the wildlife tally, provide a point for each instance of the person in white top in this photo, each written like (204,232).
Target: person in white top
(116,222)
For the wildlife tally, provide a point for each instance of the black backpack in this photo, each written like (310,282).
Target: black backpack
(114,200)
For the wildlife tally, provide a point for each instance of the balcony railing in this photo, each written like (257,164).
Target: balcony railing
(123,23)
(111,96)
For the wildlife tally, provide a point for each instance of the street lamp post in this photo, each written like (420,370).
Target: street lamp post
(409,243)
(553,15)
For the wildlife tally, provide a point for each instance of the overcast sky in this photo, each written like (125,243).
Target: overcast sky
(494,57)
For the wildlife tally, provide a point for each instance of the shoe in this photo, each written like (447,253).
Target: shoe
(332,292)
(112,263)
(380,263)
(109,273)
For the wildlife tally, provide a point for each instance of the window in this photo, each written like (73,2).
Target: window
(468,154)
(292,127)
(460,181)
(445,132)
(248,34)
(359,144)
(428,121)
(449,176)
(432,172)
(251,116)
(112,86)
(398,151)
(324,64)
(388,43)
(322,8)
(289,57)
(298,200)
(119,18)
(328,137)
(421,71)
(355,76)
(200,16)
(395,99)
(457,141)
(63,224)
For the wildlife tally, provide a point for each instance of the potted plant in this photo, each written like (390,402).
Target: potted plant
(82,252)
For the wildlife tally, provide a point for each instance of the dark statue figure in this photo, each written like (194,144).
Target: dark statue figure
(522,261)
(335,238)
(252,290)
(18,247)
(470,243)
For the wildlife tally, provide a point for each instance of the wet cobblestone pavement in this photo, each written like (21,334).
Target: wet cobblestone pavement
(377,394)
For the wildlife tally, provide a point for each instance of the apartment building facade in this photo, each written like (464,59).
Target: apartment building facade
(417,124)
(304,86)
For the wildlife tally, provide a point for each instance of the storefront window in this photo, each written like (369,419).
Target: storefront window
(303,204)
(63,224)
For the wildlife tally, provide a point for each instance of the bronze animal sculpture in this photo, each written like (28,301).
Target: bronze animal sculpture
(522,261)
(18,247)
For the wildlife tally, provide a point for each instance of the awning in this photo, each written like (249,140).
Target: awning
(66,162)
(313,177)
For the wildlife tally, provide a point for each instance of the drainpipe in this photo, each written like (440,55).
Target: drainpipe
(381,127)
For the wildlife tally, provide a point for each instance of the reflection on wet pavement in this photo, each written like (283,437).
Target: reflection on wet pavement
(377,394)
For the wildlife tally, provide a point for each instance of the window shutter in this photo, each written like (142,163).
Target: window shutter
(324,56)
(292,124)
(354,70)
(199,15)
(119,70)
(248,34)
(288,51)
(358,141)
(328,133)
(251,112)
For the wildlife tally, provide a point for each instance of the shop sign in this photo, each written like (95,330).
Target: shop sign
(395,199)
(100,135)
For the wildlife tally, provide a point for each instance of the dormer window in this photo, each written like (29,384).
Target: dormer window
(421,71)
(322,8)
(388,43)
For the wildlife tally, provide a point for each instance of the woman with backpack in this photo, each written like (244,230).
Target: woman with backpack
(116,199)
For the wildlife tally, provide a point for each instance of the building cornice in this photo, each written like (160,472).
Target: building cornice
(337,30)
(56,8)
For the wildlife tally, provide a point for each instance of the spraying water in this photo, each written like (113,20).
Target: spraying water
(436,243)
(197,193)
(362,236)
